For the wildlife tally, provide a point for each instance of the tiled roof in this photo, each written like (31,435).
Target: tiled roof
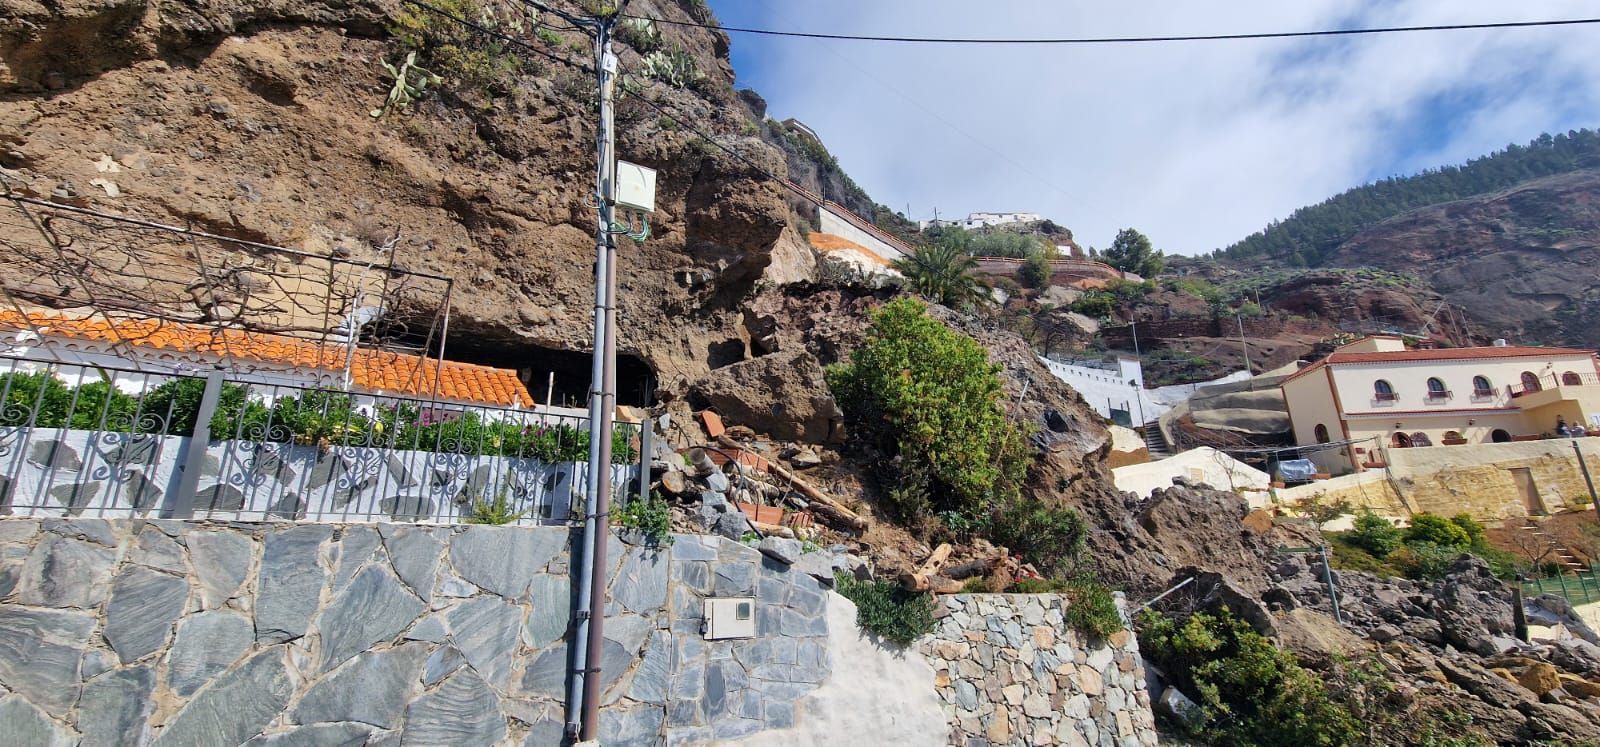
(1439,354)
(372,370)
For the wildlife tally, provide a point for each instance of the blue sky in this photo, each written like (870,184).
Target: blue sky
(1196,144)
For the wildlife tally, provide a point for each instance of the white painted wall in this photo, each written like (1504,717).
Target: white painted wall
(875,694)
(1105,389)
(1203,464)
(833,224)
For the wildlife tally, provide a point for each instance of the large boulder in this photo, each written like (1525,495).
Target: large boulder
(782,395)
(1473,607)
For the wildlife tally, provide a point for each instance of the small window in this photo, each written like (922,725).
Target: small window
(1420,439)
(1530,382)
(1322,434)
(1436,388)
(1383,390)
(1481,387)
(1400,440)
(1571,378)
(1453,437)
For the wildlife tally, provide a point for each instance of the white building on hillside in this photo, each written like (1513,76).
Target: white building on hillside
(984,220)
(1377,393)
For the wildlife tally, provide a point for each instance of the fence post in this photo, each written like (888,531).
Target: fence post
(194,453)
(647,432)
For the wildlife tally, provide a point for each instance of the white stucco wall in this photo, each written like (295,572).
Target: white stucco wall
(875,695)
(842,228)
(1105,389)
(1204,464)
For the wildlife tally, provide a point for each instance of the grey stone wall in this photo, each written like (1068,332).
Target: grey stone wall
(136,632)
(1011,672)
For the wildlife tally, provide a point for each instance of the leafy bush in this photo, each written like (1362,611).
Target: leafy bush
(1036,270)
(887,609)
(1049,536)
(1374,534)
(1095,303)
(496,511)
(925,395)
(1476,536)
(1437,530)
(1249,692)
(1424,561)
(650,517)
(481,62)
(1091,609)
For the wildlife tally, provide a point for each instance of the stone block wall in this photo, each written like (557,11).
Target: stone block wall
(134,632)
(1011,672)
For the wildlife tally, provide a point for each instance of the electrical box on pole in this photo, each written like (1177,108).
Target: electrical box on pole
(635,188)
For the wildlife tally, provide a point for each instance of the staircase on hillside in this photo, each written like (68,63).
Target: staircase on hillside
(1155,443)
(1559,553)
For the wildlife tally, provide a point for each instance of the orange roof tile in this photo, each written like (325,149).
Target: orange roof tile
(373,370)
(1438,354)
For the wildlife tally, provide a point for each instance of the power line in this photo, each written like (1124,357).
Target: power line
(1133,39)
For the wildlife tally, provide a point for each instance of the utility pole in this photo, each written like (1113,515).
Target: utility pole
(1245,346)
(584,676)
(1587,479)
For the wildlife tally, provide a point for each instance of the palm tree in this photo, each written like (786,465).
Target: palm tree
(942,272)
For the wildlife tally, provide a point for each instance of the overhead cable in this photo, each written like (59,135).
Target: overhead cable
(1132,39)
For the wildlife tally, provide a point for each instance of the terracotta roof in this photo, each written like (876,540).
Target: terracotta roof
(1338,357)
(372,370)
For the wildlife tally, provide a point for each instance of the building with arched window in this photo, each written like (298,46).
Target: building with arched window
(1377,394)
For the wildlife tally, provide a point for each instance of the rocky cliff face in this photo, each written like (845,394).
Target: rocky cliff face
(250,119)
(1524,262)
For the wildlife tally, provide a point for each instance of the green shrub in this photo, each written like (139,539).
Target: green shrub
(1037,586)
(650,517)
(1051,537)
(1476,536)
(1424,561)
(927,396)
(1095,303)
(1249,692)
(495,511)
(887,609)
(1092,609)
(1036,270)
(1374,534)
(1437,530)
(462,55)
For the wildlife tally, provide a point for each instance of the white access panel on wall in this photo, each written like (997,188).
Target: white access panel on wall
(730,617)
(635,188)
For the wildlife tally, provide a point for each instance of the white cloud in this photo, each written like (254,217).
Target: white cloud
(1199,143)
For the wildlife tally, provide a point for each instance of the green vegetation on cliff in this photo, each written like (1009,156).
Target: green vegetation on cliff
(1306,236)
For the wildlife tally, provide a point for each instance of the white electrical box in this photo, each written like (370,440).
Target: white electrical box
(635,188)
(730,617)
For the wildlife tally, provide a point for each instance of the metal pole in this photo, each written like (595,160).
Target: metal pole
(1246,348)
(194,451)
(603,399)
(1587,479)
(1138,384)
(1333,593)
(582,721)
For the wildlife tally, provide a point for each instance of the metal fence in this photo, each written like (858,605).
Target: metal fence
(97,441)
(1579,588)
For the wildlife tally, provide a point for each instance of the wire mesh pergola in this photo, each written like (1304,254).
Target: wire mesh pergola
(114,267)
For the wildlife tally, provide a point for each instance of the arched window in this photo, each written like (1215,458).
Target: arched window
(1530,382)
(1421,439)
(1500,436)
(1453,437)
(1436,390)
(1383,390)
(1571,378)
(1322,434)
(1400,440)
(1481,387)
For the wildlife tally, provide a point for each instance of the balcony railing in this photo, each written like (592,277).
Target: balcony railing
(100,441)
(1552,381)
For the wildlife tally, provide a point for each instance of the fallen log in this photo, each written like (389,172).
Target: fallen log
(821,504)
(978,567)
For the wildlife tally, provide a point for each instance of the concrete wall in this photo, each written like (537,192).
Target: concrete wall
(1203,464)
(1010,672)
(131,632)
(1473,478)
(842,227)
